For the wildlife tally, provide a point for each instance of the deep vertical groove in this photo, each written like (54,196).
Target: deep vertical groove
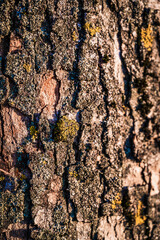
(56,5)
(2,129)
(75,74)
(82,37)
(127,82)
(55,158)
(76,143)
(105,91)
(57,91)
(4,45)
(66,186)
(50,23)
(102,179)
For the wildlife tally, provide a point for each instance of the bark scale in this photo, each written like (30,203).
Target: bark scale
(79,119)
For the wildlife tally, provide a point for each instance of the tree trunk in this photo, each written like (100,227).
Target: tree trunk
(79,119)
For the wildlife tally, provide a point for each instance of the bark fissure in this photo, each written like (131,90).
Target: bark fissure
(127,84)
(82,36)
(105,91)
(87,71)
(2,130)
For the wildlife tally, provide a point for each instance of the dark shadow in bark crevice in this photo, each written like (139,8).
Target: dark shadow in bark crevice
(102,180)
(47,28)
(76,143)
(19,233)
(127,212)
(22,166)
(129,144)
(74,75)
(104,138)
(11,85)
(65,187)
(2,129)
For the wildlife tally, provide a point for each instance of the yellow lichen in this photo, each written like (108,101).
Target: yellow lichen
(91,28)
(12,103)
(74,36)
(147,37)
(124,108)
(65,129)
(22,177)
(116,201)
(2,178)
(33,133)
(140,219)
(74,174)
(27,67)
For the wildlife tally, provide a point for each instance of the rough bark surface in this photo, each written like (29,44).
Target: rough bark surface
(79,119)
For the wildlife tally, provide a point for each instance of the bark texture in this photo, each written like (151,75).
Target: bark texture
(79,119)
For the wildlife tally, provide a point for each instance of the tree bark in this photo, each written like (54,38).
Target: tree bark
(79,119)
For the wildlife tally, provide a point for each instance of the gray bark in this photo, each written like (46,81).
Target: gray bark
(79,119)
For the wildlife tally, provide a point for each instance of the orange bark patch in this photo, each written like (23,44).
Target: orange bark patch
(15,131)
(47,96)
